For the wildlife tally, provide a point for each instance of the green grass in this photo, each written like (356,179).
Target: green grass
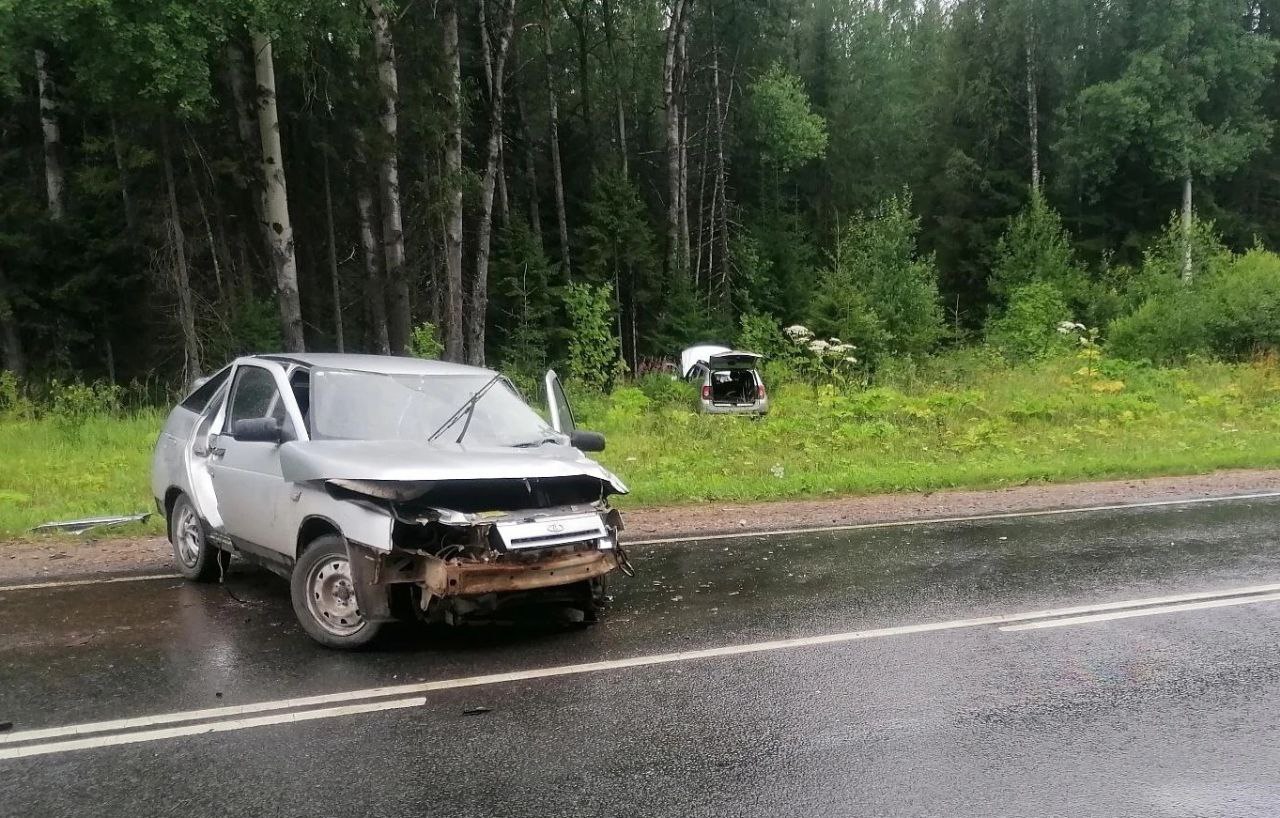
(956,421)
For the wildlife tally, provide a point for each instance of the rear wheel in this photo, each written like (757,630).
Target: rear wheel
(196,558)
(324,596)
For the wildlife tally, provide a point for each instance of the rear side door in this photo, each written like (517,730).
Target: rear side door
(253,497)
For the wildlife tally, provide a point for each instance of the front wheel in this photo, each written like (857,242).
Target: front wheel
(324,596)
(196,558)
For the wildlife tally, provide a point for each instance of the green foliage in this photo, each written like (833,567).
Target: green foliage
(1036,249)
(789,131)
(662,388)
(71,405)
(424,341)
(14,403)
(880,293)
(521,308)
(592,362)
(760,332)
(1028,328)
(1233,313)
(253,327)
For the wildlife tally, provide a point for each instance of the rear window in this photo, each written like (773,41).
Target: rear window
(199,399)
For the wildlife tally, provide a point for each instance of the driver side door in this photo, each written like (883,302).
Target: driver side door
(252,495)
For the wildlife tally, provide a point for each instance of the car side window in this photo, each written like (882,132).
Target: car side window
(199,398)
(255,396)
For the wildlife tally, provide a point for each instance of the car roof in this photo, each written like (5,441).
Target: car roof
(381,364)
(698,354)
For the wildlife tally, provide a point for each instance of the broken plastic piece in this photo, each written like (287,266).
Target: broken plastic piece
(87,523)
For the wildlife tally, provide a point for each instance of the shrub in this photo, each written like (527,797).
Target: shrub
(760,332)
(1029,326)
(593,360)
(1232,312)
(71,404)
(424,341)
(660,387)
(13,401)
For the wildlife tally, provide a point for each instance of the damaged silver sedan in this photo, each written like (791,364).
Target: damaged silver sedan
(387,488)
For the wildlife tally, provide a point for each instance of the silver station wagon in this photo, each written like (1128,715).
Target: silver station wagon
(387,488)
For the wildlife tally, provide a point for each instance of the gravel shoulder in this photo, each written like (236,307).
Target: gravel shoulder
(65,558)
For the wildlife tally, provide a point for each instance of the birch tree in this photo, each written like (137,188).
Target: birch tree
(54,177)
(553,117)
(399,320)
(454,343)
(276,211)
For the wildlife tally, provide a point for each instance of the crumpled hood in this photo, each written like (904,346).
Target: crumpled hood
(416,461)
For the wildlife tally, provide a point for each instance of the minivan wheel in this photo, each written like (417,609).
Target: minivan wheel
(324,596)
(195,557)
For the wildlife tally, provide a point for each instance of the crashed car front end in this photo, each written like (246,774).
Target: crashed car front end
(455,545)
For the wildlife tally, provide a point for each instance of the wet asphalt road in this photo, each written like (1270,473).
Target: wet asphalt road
(1154,715)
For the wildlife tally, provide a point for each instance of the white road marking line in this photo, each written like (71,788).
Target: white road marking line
(68,583)
(200,729)
(780,532)
(1007,515)
(232,711)
(1129,614)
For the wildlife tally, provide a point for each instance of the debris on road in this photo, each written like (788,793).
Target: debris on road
(5,726)
(476,711)
(90,523)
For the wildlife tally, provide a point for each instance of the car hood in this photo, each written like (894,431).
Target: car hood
(412,461)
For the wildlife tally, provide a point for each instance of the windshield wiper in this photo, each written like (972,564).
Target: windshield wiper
(530,444)
(468,409)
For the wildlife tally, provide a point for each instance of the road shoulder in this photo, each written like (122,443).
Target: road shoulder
(36,560)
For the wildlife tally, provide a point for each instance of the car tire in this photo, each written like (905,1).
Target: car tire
(197,559)
(324,598)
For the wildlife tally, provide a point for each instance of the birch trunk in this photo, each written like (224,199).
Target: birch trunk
(1186,228)
(399,319)
(54,179)
(480,282)
(276,197)
(670,71)
(557,174)
(14,359)
(1033,103)
(454,342)
(374,292)
(335,282)
(181,275)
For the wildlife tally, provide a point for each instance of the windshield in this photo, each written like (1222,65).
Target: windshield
(351,405)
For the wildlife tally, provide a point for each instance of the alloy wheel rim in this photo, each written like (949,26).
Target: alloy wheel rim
(331,597)
(189,536)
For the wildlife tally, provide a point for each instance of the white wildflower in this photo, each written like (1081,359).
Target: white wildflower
(819,346)
(798,333)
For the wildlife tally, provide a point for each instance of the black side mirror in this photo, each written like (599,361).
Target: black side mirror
(586,441)
(259,430)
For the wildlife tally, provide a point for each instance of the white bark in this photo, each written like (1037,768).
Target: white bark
(1033,104)
(392,229)
(276,195)
(454,343)
(375,292)
(1186,229)
(54,178)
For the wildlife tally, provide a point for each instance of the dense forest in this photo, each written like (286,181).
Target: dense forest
(497,181)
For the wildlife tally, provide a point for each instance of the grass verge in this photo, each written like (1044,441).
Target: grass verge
(955,421)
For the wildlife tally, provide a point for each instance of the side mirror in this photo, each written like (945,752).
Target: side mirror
(586,441)
(259,430)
